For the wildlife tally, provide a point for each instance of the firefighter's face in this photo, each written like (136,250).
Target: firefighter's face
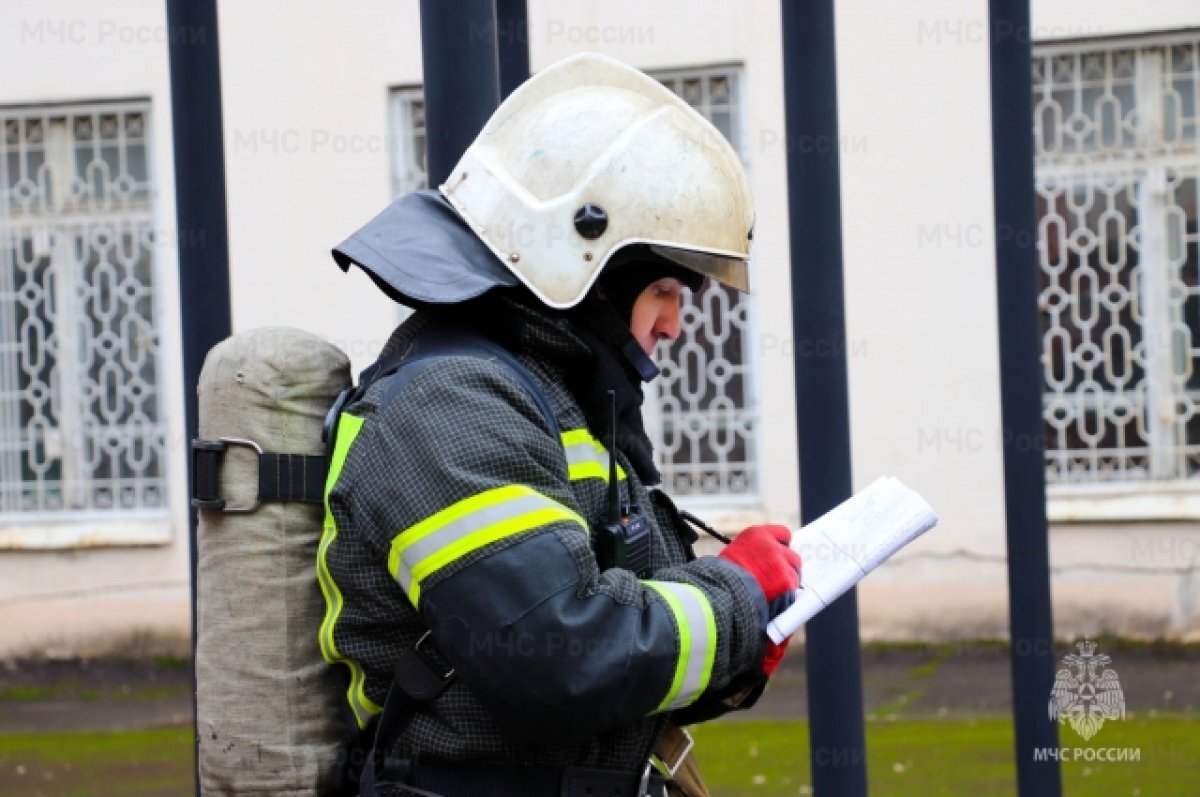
(655,314)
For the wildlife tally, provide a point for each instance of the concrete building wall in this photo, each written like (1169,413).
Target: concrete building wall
(1123,565)
(92,595)
(921,301)
(1079,19)
(305,91)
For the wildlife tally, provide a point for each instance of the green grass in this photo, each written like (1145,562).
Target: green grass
(145,763)
(24,694)
(905,758)
(73,689)
(921,758)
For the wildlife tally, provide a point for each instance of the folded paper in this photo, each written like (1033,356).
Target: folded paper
(842,546)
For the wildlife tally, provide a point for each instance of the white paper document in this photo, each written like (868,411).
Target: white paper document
(846,543)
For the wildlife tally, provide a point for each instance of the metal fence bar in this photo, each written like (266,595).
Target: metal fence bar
(512,43)
(200,213)
(835,699)
(1030,619)
(462,78)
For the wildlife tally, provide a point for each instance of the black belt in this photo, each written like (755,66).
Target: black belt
(474,780)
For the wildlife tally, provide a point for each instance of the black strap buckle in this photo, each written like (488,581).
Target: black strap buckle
(430,661)
(643,787)
(207,456)
(416,681)
(281,477)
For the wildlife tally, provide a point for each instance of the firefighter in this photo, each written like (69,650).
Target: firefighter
(518,629)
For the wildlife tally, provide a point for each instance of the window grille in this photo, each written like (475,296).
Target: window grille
(81,423)
(1117,143)
(708,419)
(408,141)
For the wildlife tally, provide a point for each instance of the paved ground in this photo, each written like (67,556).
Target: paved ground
(947,680)
(104,694)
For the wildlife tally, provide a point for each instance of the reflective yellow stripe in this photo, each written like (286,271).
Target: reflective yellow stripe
(573,436)
(364,708)
(697,626)
(587,458)
(466,526)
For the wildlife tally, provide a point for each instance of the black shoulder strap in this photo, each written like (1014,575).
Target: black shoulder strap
(440,342)
(301,477)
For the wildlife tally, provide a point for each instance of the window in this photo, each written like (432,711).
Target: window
(704,411)
(408,149)
(707,418)
(81,422)
(1117,142)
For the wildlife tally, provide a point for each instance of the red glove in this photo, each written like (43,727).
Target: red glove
(763,552)
(774,655)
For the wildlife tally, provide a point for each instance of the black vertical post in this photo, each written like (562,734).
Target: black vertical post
(512,35)
(203,239)
(835,701)
(462,77)
(1031,623)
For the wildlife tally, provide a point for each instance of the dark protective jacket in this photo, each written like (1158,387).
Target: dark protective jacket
(453,507)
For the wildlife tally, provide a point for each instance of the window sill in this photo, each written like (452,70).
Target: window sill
(69,532)
(1117,503)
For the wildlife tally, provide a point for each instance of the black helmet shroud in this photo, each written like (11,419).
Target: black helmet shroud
(418,251)
(421,253)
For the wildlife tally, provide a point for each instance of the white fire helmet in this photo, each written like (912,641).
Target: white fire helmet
(589,156)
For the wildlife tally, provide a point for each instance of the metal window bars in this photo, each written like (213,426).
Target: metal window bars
(81,424)
(1117,143)
(707,416)
(407,136)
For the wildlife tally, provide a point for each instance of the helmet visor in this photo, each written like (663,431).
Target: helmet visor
(725,269)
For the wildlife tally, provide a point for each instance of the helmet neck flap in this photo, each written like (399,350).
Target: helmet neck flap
(419,251)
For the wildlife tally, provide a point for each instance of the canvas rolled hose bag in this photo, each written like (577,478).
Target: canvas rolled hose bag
(269,713)
(271,716)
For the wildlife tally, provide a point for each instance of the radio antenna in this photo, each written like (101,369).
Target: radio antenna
(614,495)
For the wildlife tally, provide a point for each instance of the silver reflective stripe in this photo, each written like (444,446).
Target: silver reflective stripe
(456,530)
(467,526)
(585,454)
(697,628)
(587,458)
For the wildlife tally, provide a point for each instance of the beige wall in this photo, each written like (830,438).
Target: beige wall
(104,597)
(305,89)
(1079,19)
(1138,576)
(306,143)
(913,88)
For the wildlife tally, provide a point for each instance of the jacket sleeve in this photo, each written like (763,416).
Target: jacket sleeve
(462,487)
(744,689)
